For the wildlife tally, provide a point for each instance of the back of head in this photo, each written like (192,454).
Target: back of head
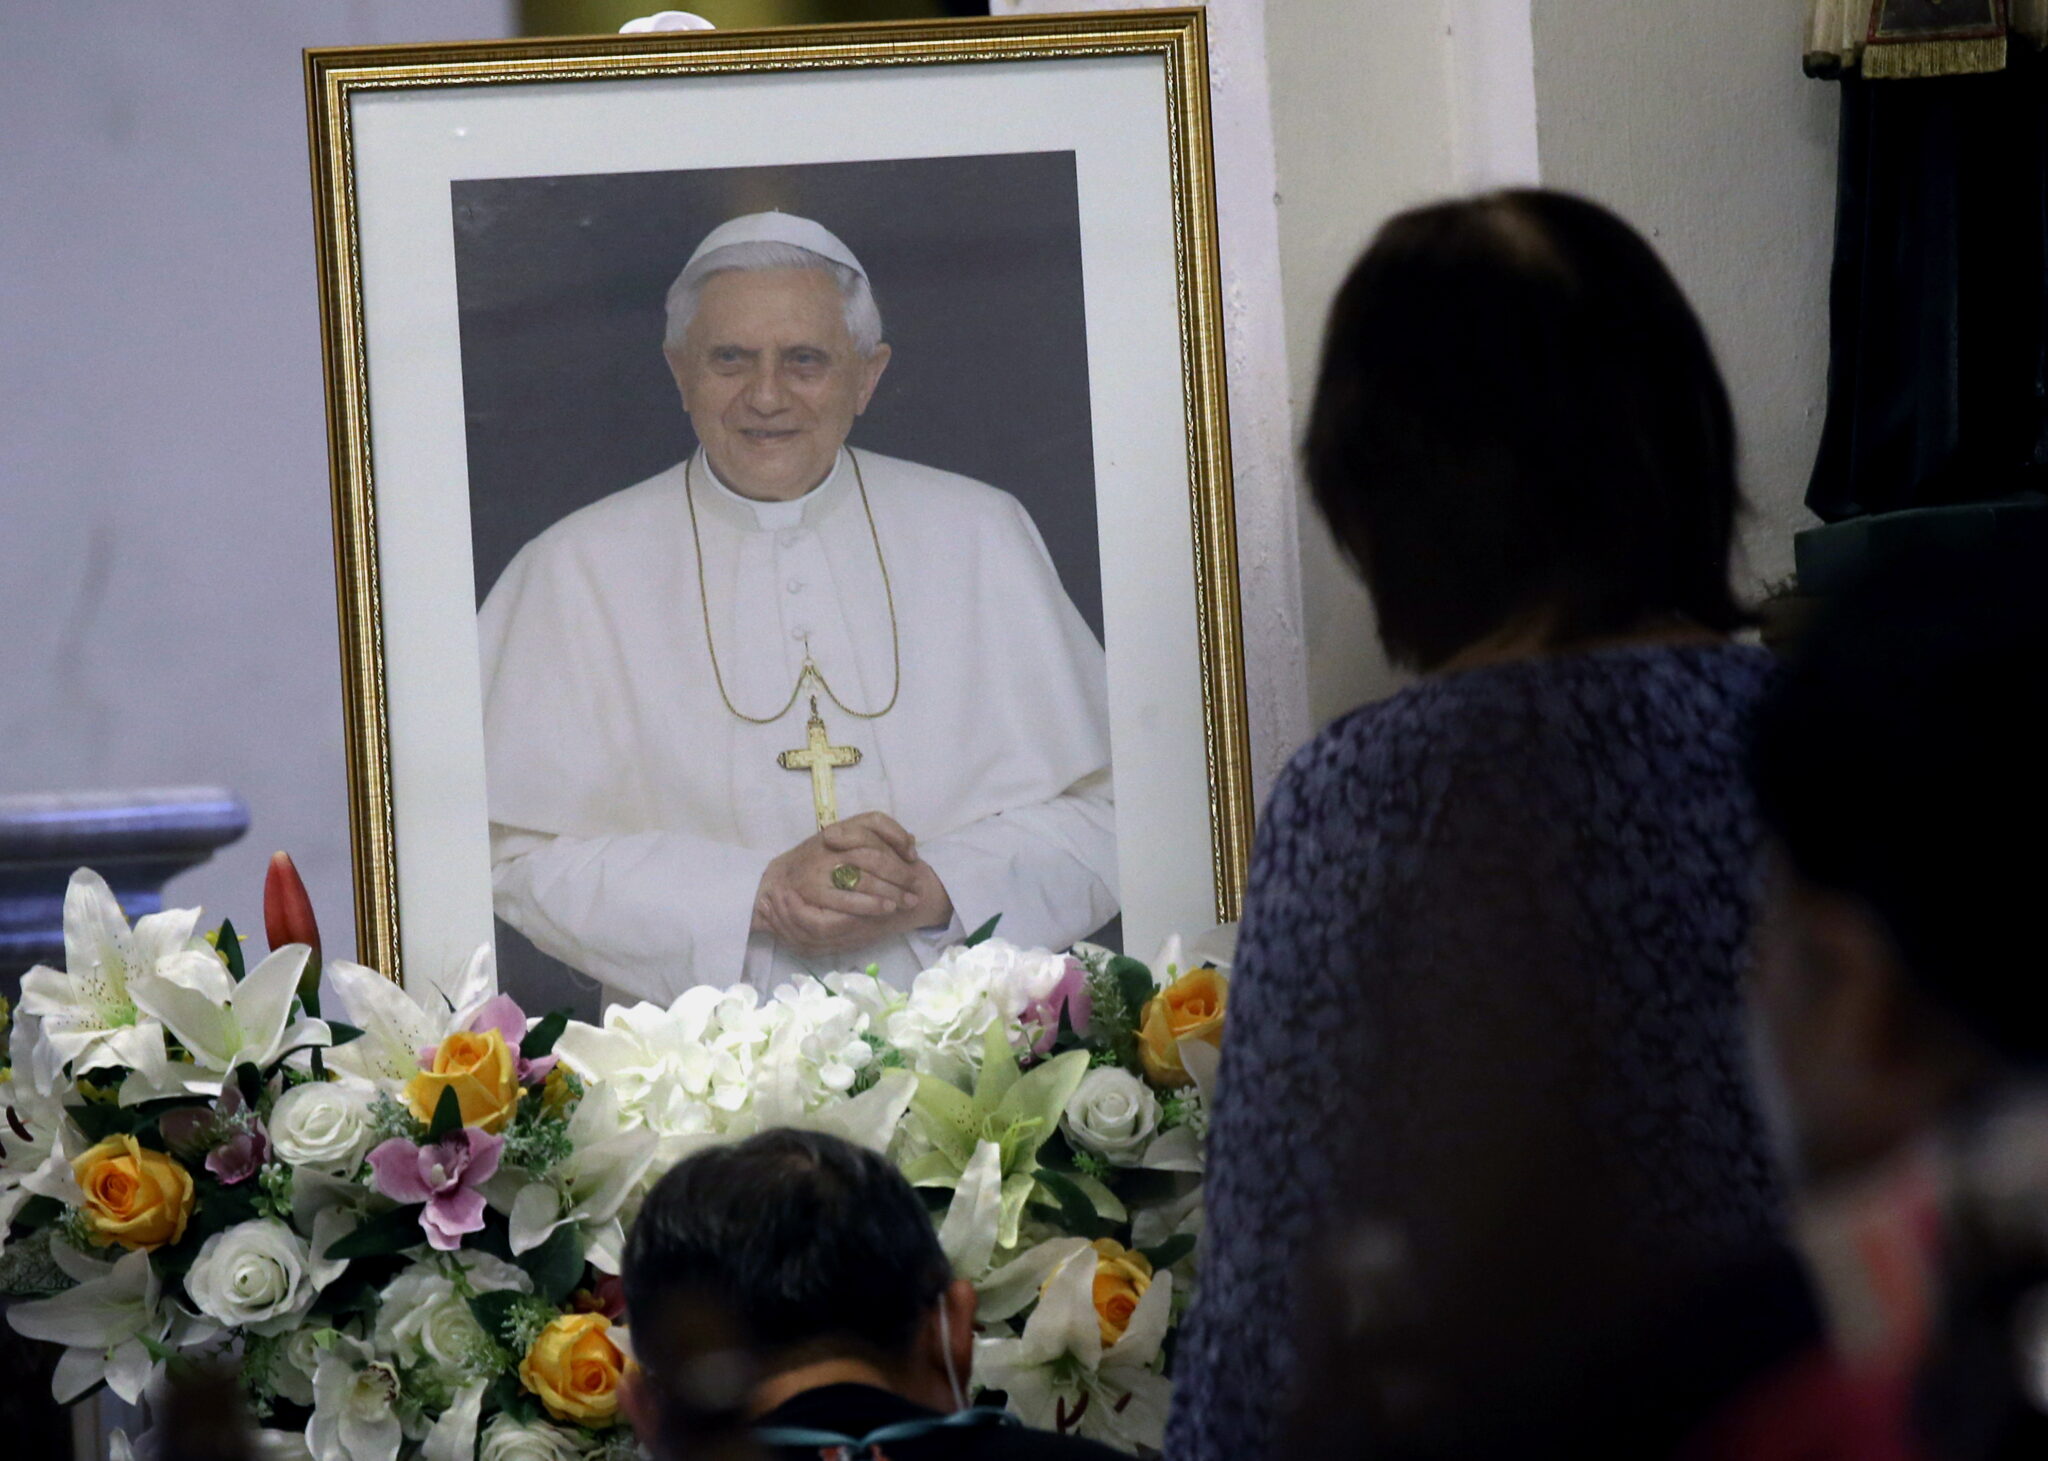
(1518,414)
(818,1248)
(1903,761)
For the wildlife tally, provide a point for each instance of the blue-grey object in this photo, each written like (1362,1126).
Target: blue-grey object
(136,840)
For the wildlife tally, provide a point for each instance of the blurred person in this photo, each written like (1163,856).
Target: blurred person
(857,1334)
(1902,993)
(1487,997)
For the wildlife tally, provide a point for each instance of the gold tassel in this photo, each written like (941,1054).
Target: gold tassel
(1884,61)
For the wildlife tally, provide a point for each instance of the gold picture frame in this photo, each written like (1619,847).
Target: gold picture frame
(340,81)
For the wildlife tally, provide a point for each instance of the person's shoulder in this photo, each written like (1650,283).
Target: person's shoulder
(1020,1443)
(931,490)
(629,516)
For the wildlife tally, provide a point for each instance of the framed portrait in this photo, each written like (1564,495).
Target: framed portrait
(782,497)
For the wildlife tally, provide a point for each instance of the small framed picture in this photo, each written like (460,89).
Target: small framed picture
(782,498)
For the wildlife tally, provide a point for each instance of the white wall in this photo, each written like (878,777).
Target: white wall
(1696,124)
(1693,121)
(166,584)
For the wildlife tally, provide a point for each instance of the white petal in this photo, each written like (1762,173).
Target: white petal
(78,1370)
(1141,1339)
(263,1005)
(1011,1288)
(453,1437)
(968,1235)
(536,1213)
(1065,1321)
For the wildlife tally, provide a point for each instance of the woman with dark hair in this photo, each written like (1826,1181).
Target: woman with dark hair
(1486,1011)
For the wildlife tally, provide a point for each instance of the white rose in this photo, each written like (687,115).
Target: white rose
(507,1439)
(1113,1114)
(297,1358)
(422,1314)
(253,1276)
(321,1124)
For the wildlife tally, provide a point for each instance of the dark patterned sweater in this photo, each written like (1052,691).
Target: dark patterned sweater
(1486,1021)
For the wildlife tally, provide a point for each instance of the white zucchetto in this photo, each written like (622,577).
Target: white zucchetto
(783,228)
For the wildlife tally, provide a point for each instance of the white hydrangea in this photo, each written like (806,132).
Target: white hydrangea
(941,1027)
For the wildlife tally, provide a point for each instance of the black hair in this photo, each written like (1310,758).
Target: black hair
(1518,413)
(1903,761)
(811,1243)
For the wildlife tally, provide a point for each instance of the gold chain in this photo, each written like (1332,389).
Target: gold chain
(810,670)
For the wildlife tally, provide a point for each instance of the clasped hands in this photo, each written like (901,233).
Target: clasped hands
(798,905)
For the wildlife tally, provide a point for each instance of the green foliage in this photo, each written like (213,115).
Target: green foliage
(447,1116)
(1170,1252)
(540,1040)
(390,1232)
(229,943)
(983,934)
(556,1266)
(274,1190)
(537,1140)
(343,1034)
(1077,1211)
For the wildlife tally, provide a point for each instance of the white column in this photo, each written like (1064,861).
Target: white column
(1255,352)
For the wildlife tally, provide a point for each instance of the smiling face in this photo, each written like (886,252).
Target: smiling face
(771,378)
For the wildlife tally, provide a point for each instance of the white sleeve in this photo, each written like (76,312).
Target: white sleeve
(1049,868)
(647,913)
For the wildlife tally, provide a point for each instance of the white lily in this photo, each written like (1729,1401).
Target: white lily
(113,1325)
(37,1138)
(355,1416)
(1061,1377)
(222,1024)
(975,1217)
(606,1162)
(453,1437)
(396,1026)
(86,1019)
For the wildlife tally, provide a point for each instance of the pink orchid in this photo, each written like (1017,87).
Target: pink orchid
(229,1134)
(445,1175)
(503,1015)
(1069,996)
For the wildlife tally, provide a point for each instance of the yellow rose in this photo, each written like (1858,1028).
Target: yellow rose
(575,1369)
(480,1068)
(1121,1278)
(134,1197)
(1190,1008)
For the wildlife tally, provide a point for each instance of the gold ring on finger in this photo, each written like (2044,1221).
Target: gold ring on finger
(846,877)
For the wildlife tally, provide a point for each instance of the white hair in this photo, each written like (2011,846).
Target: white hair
(863,320)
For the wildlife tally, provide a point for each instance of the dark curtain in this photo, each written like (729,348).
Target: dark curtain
(1938,371)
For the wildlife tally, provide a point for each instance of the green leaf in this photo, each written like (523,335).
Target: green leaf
(1134,981)
(390,1232)
(540,1040)
(556,1266)
(515,1399)
(493,1309)
(343,1034)
(38,1212)
(1108,1205)
(983,934)
(230,945)
(1077,1213)
(1170,1252)
(99,1122)
(250,1079)
(447,1117)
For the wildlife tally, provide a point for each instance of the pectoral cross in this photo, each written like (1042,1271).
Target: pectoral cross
(819,757)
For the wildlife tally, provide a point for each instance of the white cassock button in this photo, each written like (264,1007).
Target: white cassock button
(796,585)
(788,537)
(802,631)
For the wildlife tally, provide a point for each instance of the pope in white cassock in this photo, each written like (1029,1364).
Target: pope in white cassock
(790,705)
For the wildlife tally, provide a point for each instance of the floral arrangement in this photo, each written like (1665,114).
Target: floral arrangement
(400,1217)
